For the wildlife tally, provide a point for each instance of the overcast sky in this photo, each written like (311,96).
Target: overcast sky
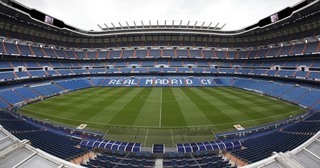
(86,14)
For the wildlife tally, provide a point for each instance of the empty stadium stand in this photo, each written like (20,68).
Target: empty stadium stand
(280,60)
(57,145)
(19,153)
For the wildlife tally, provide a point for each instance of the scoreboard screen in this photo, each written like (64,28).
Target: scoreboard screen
(274,18)
(48,19)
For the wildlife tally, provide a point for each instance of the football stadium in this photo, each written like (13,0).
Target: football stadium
(160,94)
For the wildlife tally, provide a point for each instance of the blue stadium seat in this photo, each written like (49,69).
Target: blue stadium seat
(26,93)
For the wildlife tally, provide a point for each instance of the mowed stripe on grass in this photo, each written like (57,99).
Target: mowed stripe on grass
(217,107)
(190,111)
(213,113)
(130,111)
(171,112)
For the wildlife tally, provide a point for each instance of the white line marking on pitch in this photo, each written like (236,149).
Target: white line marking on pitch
(160,108)
(145,140)
(172,139)
(106,134)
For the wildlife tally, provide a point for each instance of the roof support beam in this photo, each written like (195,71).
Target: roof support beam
(202,25)
(106,26)
(120,25)
(195,24)
(135,25)
(99,26)
(113,25)
(128,25)
(209,25)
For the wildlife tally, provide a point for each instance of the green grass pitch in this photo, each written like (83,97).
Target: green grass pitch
(167,115)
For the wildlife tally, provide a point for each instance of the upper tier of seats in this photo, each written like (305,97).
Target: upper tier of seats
(165,52)
(290,64)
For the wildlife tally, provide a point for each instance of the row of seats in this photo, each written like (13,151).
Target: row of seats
(289,138)
(286,139)
(314,117)
(213,161)
(181,148)
(111,145)
(113,160)
(207,159)
(300,95)
(306,75)
(262,147)
(55,144)
(24,94)
(305,127)
(204,146)
(6,65)
(14,124)
(23,50)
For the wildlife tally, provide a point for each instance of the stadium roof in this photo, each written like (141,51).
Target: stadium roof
(302,16)
(108,14)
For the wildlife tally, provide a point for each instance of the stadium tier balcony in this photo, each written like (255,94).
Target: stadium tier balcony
(289,69)
(290,50)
